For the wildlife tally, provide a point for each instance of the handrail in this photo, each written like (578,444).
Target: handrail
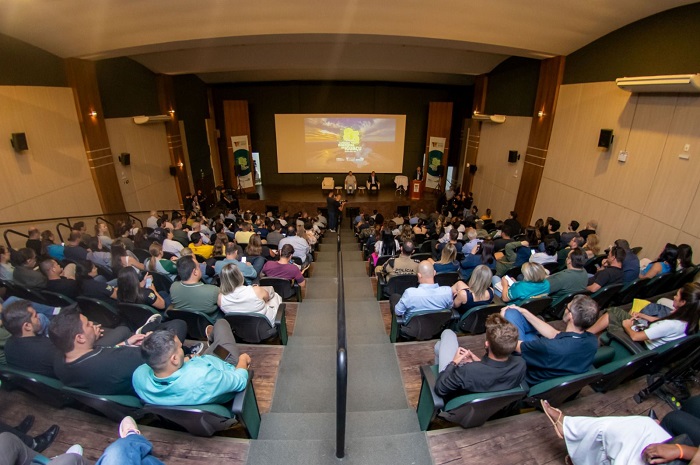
(58,230)
(46,220)
(99,218)
(136,218)
(7,241)
(342,363)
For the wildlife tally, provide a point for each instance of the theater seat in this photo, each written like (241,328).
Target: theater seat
(474,320)
(47,389)
(559,390)
(197,322)
(255,328)
(469,410)
(421,325)
(113,407)
(328,184)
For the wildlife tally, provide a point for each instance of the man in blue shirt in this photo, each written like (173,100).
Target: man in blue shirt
(427,296)
(550,353)
(247,269)
(168,378)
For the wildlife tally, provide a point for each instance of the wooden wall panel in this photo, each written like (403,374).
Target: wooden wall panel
(551,76)
(146,184)
(166,102)
(53,177)
(474,131)
(651,199)
(82,79)
(496,181)
(236,123)
(439,125)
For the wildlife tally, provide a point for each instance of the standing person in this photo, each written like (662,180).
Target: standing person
(419,174)
(335,207)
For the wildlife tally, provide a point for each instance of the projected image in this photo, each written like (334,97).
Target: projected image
(359,141)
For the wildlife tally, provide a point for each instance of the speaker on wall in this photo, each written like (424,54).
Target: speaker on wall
(19,141)
(605,139)
(125,159)
(513,156)
(472,169)
(441,170)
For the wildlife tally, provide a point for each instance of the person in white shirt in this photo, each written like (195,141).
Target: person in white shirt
(170,245)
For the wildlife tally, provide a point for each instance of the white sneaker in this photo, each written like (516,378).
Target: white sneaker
(151,324)
(75,449)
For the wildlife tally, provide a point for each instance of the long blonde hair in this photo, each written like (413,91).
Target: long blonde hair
(449,253)
(480,280)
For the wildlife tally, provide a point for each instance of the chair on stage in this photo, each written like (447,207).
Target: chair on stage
(328,184)
(401,184)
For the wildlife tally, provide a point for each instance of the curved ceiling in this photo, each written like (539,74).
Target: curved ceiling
(447,41)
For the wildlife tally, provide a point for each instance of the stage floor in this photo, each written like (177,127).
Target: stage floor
(306,198)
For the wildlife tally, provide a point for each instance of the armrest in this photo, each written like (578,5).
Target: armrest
(624,340)
(429,377)
(279,318)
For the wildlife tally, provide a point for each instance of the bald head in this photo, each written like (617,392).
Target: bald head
(426,272)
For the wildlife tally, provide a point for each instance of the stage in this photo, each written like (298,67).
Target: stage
(305,198)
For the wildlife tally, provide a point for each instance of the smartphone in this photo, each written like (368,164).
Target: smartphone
(149,281)
(221,352)
(242,259)
(510,280)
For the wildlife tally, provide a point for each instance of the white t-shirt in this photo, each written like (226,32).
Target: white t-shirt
(661,332)
(244,300)
(174,247)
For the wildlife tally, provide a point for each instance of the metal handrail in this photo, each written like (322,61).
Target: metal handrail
(7,231)
(99,218)
(342,363)
(136,218)
(46,220)
(58,230)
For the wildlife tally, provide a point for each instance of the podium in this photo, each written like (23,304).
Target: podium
(416,190)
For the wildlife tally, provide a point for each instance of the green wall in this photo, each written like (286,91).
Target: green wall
(512,87)
(127,88)
(666,43)
(412,100)
(22,64)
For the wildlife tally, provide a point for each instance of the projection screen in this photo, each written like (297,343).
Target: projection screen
(340,143)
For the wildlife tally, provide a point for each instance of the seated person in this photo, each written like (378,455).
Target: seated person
(666,263)
(573,279)
(632,440)
(158,264)
(477,292)
(49,246)
(190,293)
(170,244)
(373,183)
(549,255)
(550,353)
(682,321)
(401,265)
(244,234)
(198,247)
(99,369)
(427,296)
(98,253)
(56,282)
(283,268)
(131,290)
(350,183)
(7,270)
(574,243)
(448,260)
(256,253)
(25,273)
(236,297)
(591,227)
(73,250)
(534,284)
(482,254)
(630,264)
(302,249)
(451,238)
(232,256)
(93,285)
(611,271)
(168,378)
(462,372)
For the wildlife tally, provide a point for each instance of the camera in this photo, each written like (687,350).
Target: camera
(342,202)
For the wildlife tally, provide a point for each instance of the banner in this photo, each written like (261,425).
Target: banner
(241,159)
(436,150)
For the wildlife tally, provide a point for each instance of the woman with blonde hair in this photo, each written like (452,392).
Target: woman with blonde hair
(477,292)
(534,284)
(448,260)
(236,297)
(406,233)
(592,246)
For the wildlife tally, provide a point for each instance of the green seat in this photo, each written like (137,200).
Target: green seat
(623,367)
(559,390)
(603,355)
(99,311)
(605,295)
(197,322)
(468,411)
(395,285)
(207,419)
(255,328)
(49,390)
(474,320)
(113,407)
(420,325)
(135,315)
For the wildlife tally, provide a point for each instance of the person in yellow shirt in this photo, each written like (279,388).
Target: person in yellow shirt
(198,247)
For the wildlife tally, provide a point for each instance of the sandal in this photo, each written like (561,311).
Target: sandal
(545,404)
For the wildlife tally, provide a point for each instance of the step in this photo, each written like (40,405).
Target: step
(322,425)
(354,268)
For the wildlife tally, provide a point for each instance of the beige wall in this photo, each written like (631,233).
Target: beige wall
(52,178)
(146,183)
(651,199)
(496,181)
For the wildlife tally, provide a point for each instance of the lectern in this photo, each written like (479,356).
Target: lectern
(416,190)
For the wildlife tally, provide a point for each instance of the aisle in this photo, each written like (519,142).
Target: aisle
(300,427)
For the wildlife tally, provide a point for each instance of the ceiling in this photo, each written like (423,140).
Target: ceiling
(438,41)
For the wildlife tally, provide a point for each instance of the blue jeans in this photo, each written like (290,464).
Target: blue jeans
(44,313)
(131,450)
(526,330)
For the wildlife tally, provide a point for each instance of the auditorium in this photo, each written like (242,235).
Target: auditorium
(373,233)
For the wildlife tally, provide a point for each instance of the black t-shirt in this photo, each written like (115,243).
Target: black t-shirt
(74,253)
(35,245)
(67,287)
(35,354)
(608,275)
(105,370)
(98,290)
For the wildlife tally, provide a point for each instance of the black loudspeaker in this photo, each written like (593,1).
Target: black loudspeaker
(472,169)
(605,139)
(252,196)
(513,156)
(125,159)
(173,171)
(19,141)
(440,171)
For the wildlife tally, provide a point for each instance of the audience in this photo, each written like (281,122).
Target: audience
(611,270)
(666,263)
(132,290)
(236,297)
(283,268)
(480,255)
(302,250)
(477,292)
(190,293)
(25,273)
(573,279)
(426,297)
(448,260)
(534,284)
(232,257)
(56,282)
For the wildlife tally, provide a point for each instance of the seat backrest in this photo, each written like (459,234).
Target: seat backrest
(422,256)
(135,315)
(282,286)
(424,325)
(536,305)
(556,311)
(105,271)
(426,247)
(398,284)
(251,328)
(447,279)
(514,271)
(197,322)
(628,292)
(24,292)
(558,390)
(99,311)
(552,267)
(655,285)
(591,263)
(54,299)
(474,320)
(160,281)
(142,254)
(604,295)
